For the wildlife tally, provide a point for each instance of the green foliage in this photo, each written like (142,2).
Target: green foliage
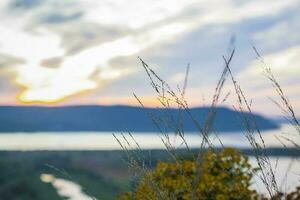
(17,181)
(224,175)
(20,174)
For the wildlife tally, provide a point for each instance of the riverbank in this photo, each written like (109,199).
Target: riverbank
(101,174)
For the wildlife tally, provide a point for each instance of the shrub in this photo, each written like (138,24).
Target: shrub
(223,175)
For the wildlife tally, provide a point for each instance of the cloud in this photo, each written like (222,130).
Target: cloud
(284,64)
(139,14)
(56,18)
(74,73)
(70,47)
(7,61)
(53,62)
(28,4)
(31,47)
(283,33)
(78,36)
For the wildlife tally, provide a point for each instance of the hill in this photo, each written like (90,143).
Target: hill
(114,118)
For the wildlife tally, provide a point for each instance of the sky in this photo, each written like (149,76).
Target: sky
(55,52)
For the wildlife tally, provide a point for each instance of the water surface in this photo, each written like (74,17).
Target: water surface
(106,141)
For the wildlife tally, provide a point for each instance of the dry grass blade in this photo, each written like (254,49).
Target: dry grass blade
(284,104)
(251,127)
(166,121)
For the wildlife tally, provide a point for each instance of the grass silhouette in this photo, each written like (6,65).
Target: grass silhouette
(168,98)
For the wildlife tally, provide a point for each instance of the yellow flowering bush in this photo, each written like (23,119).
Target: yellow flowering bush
(222,176)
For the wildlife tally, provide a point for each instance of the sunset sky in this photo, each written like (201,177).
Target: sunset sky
(55,52)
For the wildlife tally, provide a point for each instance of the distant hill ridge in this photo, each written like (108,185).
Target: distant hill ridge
(113,118)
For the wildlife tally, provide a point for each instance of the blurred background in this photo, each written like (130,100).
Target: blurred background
(68,71)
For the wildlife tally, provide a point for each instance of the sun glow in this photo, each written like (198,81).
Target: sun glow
(42,84)
(86,70)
